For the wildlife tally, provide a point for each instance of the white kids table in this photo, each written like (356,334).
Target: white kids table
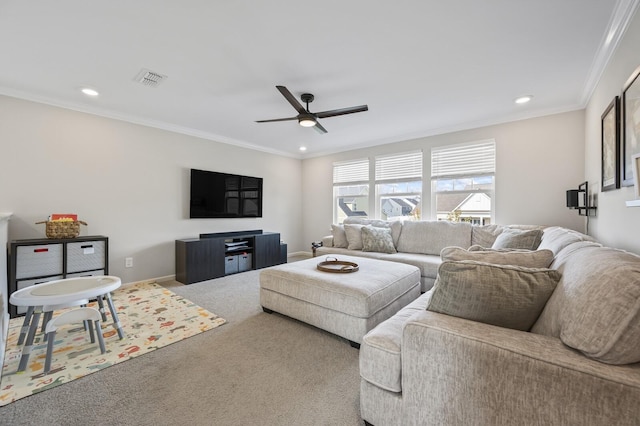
(52,295)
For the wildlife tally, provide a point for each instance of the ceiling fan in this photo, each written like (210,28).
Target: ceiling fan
(307,118)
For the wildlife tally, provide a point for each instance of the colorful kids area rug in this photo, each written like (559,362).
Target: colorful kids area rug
(151,317)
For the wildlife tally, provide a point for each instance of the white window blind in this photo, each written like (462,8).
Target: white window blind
(351,171)
(474,159)
(399,166)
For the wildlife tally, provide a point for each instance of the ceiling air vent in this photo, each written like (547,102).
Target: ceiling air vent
(149,78)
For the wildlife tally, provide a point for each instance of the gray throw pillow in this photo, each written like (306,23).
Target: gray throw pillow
(377,239)
(339,236)
(527,259)
(518,239)
(503,295)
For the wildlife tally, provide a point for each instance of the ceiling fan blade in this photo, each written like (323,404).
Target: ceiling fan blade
(341,111)
(319,128)
(277,119)
(292,100)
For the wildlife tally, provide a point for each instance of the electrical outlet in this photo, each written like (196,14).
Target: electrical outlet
(128,262)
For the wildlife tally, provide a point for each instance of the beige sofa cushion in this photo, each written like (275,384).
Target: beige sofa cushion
(430,237)
(527,259)
(596,307)
(518,239)
(381,349)
(555,238)
(503,295)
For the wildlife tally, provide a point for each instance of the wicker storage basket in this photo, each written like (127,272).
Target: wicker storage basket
(62,229)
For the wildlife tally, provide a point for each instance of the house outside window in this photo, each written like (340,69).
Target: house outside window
(463,182)
(398,180)
(350,189)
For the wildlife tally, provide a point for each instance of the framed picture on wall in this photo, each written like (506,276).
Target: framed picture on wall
(630,126)
(611,146)
(635,159)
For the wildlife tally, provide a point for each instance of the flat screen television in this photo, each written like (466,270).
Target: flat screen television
(224,195)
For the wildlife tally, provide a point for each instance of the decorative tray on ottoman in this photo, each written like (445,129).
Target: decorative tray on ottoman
(332,264)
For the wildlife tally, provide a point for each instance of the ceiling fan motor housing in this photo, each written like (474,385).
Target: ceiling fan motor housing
(307,97)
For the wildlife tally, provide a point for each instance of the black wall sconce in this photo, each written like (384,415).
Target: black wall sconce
(573,200)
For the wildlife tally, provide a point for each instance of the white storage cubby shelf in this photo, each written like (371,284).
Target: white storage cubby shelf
(36,261)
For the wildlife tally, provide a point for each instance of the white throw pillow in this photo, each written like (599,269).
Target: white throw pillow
(339,236)
(354,236)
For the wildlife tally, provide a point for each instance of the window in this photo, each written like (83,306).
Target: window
(350,189)
(398,180)
(463,181)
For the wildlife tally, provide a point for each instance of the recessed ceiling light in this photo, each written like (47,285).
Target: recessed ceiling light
(303,148)
(89,91)
(524,99)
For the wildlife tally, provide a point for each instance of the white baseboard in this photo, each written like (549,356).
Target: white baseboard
(173,277)
(150,280)
(300,254)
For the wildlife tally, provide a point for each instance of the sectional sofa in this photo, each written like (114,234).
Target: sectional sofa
(500,338)
(416,243)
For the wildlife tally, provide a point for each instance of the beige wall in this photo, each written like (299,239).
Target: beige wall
(537,160)
(128,182)
(615,224)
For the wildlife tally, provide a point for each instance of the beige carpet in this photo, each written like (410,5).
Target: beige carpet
(151,316)
(257,369)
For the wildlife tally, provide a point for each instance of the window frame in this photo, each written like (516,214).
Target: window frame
(481,167)
(402,167)
(355,177)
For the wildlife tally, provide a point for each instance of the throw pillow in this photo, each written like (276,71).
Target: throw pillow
(354,236)
(339,236)
(396,225)
(377,239)
(485,235)
(503,295)
(517,239)
(527,259)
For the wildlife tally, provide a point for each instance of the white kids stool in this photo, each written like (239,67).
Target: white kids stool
(73,316)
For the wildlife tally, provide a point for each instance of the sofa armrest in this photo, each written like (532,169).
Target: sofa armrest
(465,372)
(327,241)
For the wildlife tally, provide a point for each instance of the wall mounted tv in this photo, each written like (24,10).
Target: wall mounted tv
(223,195)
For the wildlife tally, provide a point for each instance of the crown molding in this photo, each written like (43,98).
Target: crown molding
(620,19)
(141,121)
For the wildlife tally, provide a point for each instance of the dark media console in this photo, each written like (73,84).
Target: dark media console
(215,255)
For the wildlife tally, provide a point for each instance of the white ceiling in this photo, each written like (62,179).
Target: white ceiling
(423,66)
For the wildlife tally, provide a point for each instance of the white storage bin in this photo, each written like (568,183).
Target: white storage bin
(244,262)
(85,256)
(39,260)
(230,265)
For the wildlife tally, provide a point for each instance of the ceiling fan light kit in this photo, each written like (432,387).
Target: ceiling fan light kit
(307,118)
(307,121)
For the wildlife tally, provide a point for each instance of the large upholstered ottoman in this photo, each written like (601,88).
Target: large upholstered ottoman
(346,304)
